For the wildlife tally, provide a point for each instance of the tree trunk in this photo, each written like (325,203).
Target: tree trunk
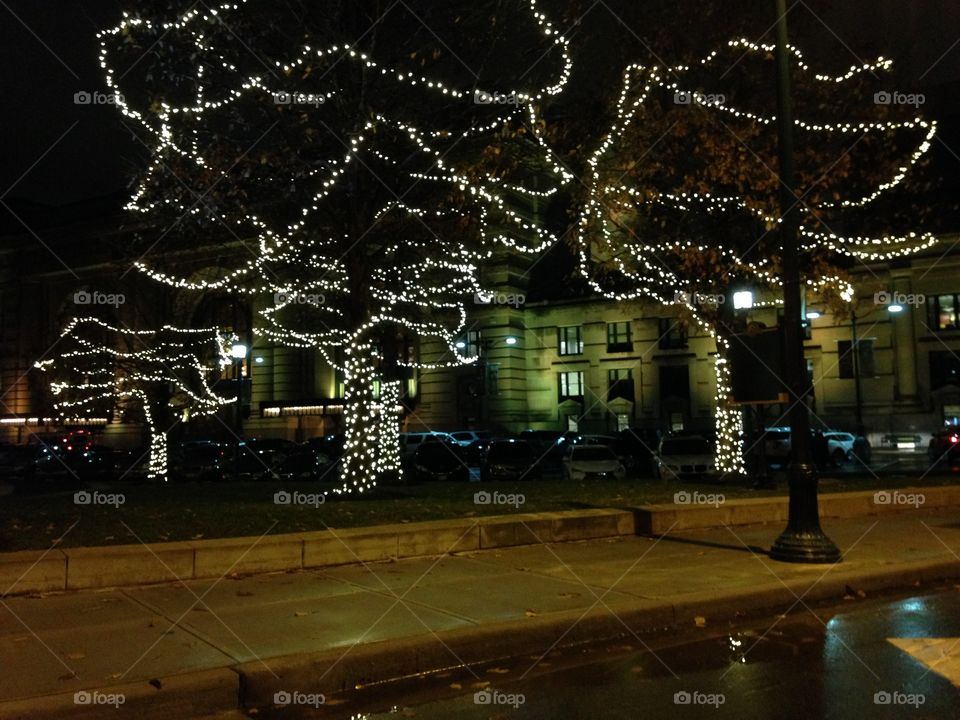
(388,457)
(358,467)
(157,467)
(729,421)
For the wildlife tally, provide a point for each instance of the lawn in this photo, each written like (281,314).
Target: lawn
(185,511)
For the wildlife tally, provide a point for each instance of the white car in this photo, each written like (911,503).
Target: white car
(684,456)
(592,462)
(840,445)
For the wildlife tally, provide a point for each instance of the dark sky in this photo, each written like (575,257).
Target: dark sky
(56,152)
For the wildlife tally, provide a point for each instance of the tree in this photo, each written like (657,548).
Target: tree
(376,154)
(683,198)
(164,373)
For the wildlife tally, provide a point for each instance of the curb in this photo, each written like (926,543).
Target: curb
(252,685)
(110,566)
(660,519)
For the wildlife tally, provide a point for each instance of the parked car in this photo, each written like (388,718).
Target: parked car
(329,445)
(592,462)
(839,445)
(464,438)
(509,460)
(410,441)
(271,451)
(618,446)
(473,453)
(684,456)
(196,461)
(438,461)
(640,445)
(944,446)
(304,465)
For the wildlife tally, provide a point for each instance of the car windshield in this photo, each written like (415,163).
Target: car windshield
(593,453)
(502,451)
(686,446)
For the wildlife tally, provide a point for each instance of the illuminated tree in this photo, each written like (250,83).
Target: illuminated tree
(165,373)
(363,159)
(683,198)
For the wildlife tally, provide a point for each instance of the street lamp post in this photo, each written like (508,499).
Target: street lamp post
(856,373)
(803,540)
(239,353)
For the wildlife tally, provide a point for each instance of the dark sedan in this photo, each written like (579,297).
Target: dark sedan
(438,461)
(509,460)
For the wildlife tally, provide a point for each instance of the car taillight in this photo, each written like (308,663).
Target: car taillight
(954,438)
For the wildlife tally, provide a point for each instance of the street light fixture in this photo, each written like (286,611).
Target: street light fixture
(743,300)
(894,309)
(812,314)
(510,340)
(238,351)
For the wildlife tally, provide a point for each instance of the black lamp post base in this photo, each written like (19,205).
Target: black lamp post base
(805,546)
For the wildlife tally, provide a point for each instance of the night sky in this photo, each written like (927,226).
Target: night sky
(55,152)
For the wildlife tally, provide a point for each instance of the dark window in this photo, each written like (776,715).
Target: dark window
(865,357)
(618,337)
(569,341)
(620,384)
(570,385)
(470,344)
(943,312)
(673,335)
(944,369)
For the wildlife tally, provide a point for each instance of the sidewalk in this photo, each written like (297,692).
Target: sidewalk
(242,640)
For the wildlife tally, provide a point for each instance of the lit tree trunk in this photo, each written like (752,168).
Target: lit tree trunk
(157,467)
(388,457)
(729,421)
(360,412)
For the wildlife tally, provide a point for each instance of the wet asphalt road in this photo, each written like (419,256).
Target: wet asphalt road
(829,665)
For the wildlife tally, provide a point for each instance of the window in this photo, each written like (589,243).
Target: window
(618,337)
(571,385)
(471,344)
(620,384)
(864,357)
(673,335)
(942,310)
(569,341)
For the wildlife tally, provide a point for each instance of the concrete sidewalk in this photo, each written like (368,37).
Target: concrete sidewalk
(183,650)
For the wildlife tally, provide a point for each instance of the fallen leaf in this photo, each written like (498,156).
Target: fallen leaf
(529,613)
(498,671)
(700,620)
(76,656)
(456,686)
(300,613)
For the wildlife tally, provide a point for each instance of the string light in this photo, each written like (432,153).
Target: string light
(99,374)
(639,268)
(419,285)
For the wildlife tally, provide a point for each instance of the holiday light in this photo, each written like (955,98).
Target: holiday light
(100,371)
(421,282)
(647,270)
